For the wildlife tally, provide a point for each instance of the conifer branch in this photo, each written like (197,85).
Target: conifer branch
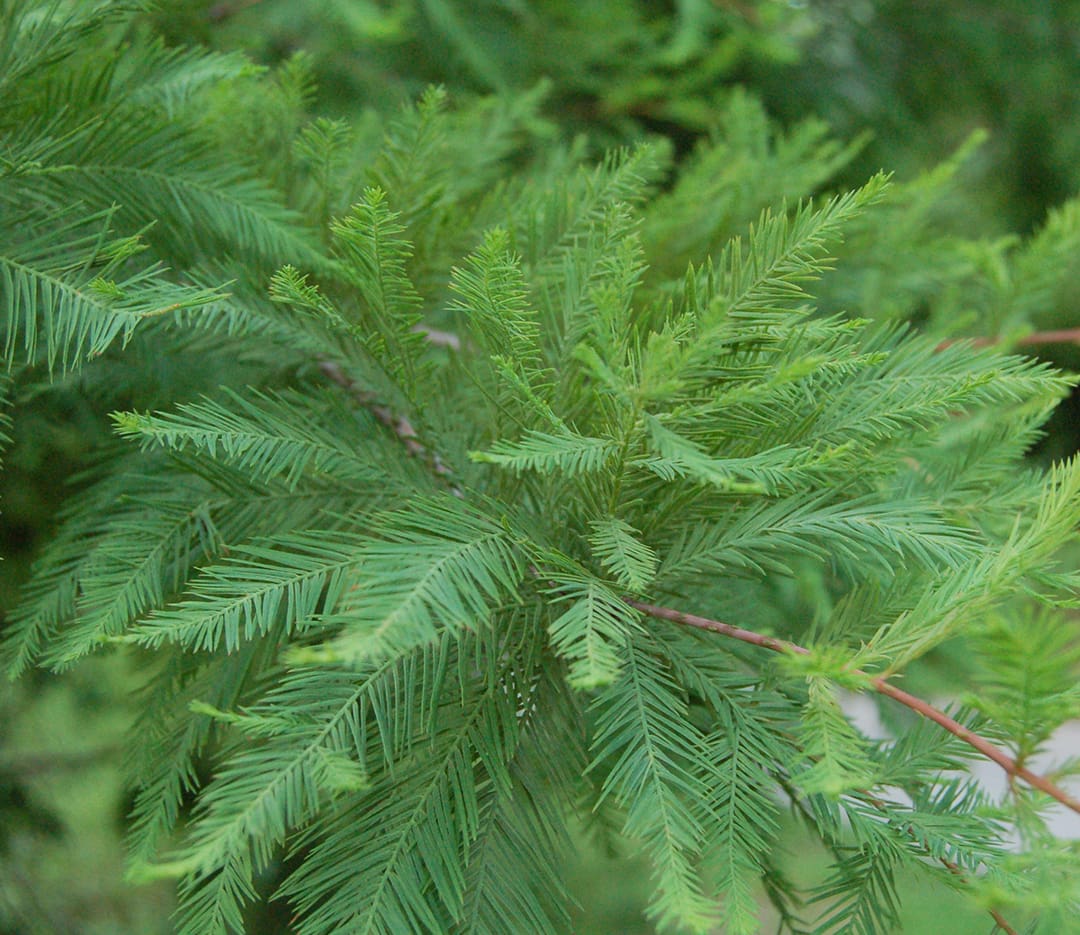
(406,686)
(1002,923)
(957,871)
(404,430)
(954,868)
(999,920)
(878,684)
(398,424)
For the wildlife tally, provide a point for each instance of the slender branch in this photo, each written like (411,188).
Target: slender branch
(452,340)
(1061,336)
(220,12)
(1002,923)
(437,338)
(954,868)
(999,920)
(32,764)
(880,685)
(398,424)
(740,8)
(987,749)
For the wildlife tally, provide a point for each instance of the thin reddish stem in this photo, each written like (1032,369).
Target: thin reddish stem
(953,868)
(222,11)
(880,685)
(1061,336)
(999,920)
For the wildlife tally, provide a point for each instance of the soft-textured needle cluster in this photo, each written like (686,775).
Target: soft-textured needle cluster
(393,667)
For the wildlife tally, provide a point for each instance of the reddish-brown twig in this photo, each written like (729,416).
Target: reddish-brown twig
(999,920)
(1061,336)
(953,868)
(222,11)
(880,685)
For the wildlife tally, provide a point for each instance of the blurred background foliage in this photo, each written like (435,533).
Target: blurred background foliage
(974,105)
(919,76)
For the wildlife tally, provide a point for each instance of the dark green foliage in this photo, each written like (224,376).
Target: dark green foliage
(924,76)
(492,392)
(617,63)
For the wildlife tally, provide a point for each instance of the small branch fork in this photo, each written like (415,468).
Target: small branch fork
(881,686)
(399,425)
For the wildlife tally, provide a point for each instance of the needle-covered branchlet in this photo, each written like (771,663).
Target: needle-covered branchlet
(881,686)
